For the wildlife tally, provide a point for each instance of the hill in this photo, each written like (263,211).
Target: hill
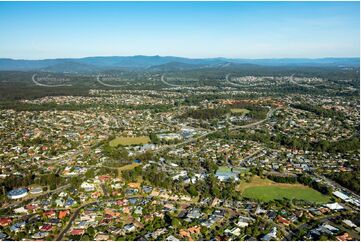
(164,63)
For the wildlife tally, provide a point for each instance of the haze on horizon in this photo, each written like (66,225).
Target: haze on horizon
(40,30)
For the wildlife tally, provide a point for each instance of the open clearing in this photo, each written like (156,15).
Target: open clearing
(128,167)
(239,110)
(267,190)
(125,141)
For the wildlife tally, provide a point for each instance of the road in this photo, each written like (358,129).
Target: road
(71,220)
(231,83)
(75,214)
(77,211)
(167,83)
(269,114)
(45,85)
(107,85)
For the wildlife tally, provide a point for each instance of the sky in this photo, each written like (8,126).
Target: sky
(38,30)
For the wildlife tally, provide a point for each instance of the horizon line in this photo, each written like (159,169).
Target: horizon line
(217,57)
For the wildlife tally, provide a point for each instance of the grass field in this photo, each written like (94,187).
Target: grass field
(267,190)
(239,110)
(128,167)
(122,140)
(224,169)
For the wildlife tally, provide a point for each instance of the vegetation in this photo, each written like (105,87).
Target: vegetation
(206,114)
(255,112)
(126,141)
(279,139)
(117,153)
(239,110)
(319,111)
(266,190)
(268,193)
(350,180)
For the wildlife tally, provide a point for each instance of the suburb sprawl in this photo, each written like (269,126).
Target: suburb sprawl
(180,155)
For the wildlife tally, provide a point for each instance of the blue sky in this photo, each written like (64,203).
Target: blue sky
(36,30)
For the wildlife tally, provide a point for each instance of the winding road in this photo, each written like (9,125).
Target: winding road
(108,85)
(45,85)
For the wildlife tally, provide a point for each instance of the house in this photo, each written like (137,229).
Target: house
(349,223)
(282,220)
(77,232)
(5,221)
(194,230)
(54,221)
(259,210)
(101,237)
(344,237)
(20,210)
(31,207)
(334,206)
(88,187)
(171,238)
(17,227)
(82,225)
(50,214)
(194,213)
(111,213)
(134,185)
(342,196)
(129,228)
(63,214)
(147,189)
(158,232)
(225,174)
(3,236)
(324,229)
(272,235)
(70,202)
(138,210)
(184,233)
(235,231)
(244,221)
(46,227)
(40,235)
(59,202)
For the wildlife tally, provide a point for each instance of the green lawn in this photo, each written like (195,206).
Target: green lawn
(224,169)
(129,141)
(239,110)
(268,193)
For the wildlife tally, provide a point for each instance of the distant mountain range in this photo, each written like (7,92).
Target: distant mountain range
(163,63)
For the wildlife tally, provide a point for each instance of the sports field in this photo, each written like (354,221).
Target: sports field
(125,141)
(267,190)
(239,110)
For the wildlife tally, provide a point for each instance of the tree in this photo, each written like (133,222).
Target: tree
(176,223)
(192,190)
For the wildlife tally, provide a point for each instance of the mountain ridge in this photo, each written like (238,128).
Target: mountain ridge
(164,63)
